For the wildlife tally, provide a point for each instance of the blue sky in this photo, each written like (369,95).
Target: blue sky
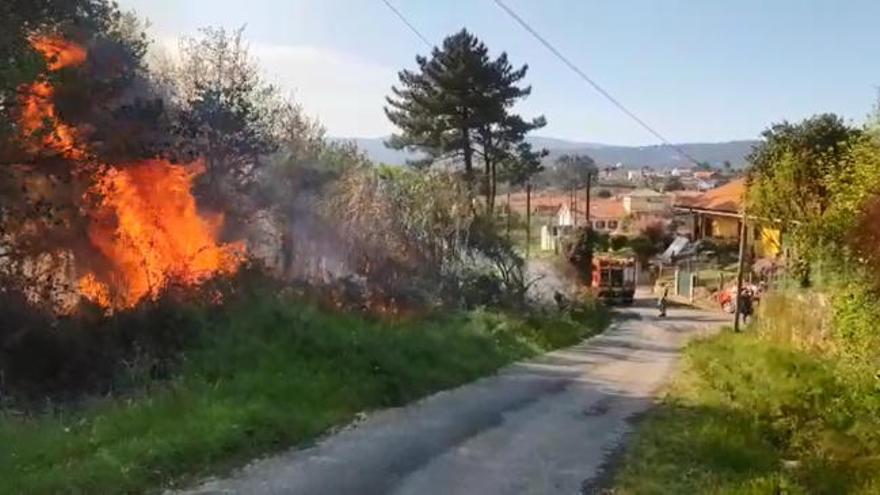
(699,70)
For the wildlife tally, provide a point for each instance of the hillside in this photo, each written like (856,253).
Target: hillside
(657,156)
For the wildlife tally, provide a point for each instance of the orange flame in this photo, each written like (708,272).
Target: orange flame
(38,108)
(145,221)
(147,225)
(58,52)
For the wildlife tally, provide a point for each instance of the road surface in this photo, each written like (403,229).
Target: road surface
(537,427)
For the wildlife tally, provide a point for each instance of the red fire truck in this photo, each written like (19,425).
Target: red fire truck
(613,278)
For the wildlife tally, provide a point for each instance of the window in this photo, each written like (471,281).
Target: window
(599,224)
(612,224)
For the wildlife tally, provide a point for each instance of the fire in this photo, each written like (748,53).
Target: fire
(143,217)
(58,52)
(146,223)
(38,109)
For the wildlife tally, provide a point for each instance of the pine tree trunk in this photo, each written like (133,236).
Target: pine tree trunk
(468,161)
(493,188)
(487,186)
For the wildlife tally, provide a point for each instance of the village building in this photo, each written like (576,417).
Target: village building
(705,174)
(682,172)
(646,201)
(717,213)
(606,216)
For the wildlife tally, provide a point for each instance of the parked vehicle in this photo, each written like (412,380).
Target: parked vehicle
(613,278)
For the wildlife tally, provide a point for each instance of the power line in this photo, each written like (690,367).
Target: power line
(408,24)
(590,81)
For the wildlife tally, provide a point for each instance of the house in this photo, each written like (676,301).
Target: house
(705,174)
(646,201)
(705,185)
(565,216)
(606,215)
(717,214)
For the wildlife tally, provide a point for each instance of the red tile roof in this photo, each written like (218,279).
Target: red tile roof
(550,202)
(603,209)
(727,198)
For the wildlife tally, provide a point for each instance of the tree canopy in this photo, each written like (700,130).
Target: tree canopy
(456,108)
(573,171)
(815,179)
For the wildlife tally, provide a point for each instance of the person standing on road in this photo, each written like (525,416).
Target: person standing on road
(746,305)
(661,303)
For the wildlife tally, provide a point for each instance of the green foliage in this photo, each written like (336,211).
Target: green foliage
(457,107)
(572,171)
(618,242)
(854,316)
(791,168)
(264,373)
(229,115)
(748,416)
(793,177)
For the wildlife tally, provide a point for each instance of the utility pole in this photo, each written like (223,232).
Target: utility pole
(528,218)
(587,200)
(743,231)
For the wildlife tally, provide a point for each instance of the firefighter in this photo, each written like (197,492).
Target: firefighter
(661,303)
(746,304)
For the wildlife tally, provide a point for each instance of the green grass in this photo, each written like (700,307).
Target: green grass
(265,374)
(748,416)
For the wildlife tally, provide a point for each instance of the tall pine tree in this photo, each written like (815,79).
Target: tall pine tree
(457,109)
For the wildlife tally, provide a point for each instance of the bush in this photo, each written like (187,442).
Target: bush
(618,242)
(62,358)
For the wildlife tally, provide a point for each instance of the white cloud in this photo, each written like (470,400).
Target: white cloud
(345,92)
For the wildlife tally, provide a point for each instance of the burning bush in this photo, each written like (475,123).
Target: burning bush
(140,217)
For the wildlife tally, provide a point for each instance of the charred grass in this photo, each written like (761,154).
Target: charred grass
(260,374)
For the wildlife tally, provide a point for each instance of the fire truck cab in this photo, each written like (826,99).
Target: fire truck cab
(613,278)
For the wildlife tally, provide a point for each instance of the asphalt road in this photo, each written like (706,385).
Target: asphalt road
(538,427)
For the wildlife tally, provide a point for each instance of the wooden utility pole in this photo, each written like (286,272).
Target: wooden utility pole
(587,200)
(743,231)
(528,218)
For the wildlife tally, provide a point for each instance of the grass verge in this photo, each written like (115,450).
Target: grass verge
(264,374)
(748,416)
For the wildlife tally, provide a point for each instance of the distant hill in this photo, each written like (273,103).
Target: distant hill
(655,156)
